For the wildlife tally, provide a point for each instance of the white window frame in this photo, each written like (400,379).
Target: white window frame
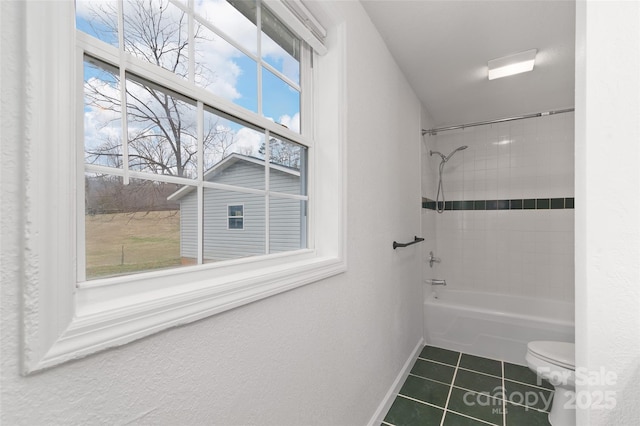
(64,321)
(235,217)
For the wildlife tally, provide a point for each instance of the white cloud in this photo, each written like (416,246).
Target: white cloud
(219,63)
(219,72)
(85,8)
(277,57)
(293,123)
(101,121)
(228,19)
(213,54)
(248,140)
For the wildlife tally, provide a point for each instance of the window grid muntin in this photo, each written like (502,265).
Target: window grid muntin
(144,83)
(203,19)
(192,18)
(103,52)
(266,17)
(259,73)
(128,65)
(257,57)
(200,188)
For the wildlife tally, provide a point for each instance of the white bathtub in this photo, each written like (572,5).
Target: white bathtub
(493,325)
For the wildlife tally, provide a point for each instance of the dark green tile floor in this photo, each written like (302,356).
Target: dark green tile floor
(455,389)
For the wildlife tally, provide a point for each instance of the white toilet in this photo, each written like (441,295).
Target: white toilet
(555,362)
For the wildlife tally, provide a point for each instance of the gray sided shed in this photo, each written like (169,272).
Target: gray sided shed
(287,226)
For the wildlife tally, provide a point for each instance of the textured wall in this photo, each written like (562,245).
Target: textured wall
(325,353)
(608,221)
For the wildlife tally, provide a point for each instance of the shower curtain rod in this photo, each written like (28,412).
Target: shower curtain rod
(435,131)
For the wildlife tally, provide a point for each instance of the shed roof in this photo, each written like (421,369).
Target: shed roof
(224,164)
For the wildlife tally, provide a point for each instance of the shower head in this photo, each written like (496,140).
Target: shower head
(445,159)
(441,156)
(454,151)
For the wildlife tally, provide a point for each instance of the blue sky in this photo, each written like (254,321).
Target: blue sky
(280,101)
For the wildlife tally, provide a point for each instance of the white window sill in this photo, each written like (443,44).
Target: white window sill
(117,319)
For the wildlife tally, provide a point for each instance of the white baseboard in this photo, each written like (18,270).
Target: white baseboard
(386,403)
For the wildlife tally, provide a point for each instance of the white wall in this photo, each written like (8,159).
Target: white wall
(608,217)
(429,168)
(517,252)
(325,353)
(530,158)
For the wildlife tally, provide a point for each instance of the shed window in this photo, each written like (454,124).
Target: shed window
(236,217)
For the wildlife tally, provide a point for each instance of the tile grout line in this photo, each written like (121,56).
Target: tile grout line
(472,418)
(529,408)
(410,398)
(431,380)
(456,387)
(504,399)
(435,406)
(528,384)
(458,367)
(435,361)
(482,372)
(453,379)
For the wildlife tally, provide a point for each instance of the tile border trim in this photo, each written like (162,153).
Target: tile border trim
(512,204)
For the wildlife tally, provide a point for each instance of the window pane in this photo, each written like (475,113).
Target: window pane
(157,31)
(233,153)
(129,228)
(287,167)
(280,102)
(99,19)
(221,240)
(236,18)
(162,131)
(280,47)
(247,84)
(224,70)
(287,224)
(102,118)
(235,223)
(236,210)
(147,225)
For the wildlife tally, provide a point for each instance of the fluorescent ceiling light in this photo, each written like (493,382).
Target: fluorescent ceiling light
(512,64)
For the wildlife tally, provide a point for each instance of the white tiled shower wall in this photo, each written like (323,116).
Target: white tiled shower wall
(517,252)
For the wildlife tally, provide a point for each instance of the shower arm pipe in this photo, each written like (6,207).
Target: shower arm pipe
(435,131)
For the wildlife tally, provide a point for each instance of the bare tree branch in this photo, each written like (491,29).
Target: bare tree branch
(162,127)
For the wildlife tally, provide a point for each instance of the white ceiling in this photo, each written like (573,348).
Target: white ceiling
(443,48)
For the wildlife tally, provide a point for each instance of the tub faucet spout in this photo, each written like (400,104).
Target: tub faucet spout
(437,282)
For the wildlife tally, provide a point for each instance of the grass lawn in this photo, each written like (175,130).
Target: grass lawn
(123,243)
